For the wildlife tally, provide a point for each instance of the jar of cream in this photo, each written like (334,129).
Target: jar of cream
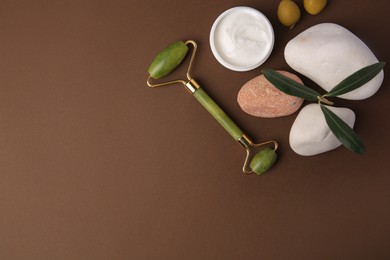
(241,38)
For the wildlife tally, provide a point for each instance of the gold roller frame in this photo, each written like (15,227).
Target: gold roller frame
(194,88)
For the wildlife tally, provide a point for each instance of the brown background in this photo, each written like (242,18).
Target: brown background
(95,165)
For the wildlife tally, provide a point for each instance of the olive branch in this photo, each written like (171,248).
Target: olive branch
(343,132)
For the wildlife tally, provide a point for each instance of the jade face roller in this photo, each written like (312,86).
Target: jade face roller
(171,57)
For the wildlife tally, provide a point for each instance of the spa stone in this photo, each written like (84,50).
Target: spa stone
(310,134)
(327,53)
(258,97)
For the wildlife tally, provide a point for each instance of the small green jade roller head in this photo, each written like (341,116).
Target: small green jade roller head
(169,59)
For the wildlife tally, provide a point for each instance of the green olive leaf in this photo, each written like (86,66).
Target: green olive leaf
(356,79)
(289,86)
(343,131)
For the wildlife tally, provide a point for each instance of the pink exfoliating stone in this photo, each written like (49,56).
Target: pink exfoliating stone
(258,97)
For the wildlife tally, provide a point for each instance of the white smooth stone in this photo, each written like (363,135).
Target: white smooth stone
(327,53)
(310,134)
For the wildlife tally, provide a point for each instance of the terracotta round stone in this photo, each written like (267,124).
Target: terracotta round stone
(258,97)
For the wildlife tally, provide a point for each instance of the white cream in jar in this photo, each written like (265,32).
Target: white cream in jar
(241,38)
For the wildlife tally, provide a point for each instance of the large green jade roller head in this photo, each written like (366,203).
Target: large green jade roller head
(169,59)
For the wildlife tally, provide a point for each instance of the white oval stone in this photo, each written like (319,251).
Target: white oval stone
(327,53)
(310,133)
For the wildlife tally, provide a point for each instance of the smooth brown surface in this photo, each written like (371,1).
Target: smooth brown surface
(95,165)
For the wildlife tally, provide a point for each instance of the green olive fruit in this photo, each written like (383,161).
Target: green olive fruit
(314,6)
(288,13)
(263,161)
(167,60)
